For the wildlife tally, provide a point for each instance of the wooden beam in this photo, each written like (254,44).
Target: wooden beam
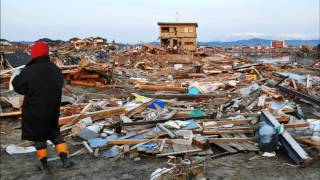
(301,95)
(294,150)
(272,92)
(186,96)
(281,119)
(231,140)
(139,109)
(235,130)
(10,114)
(298,125)
(226,147)
(89,76)
(224,122)
(94,115)
(161,88)
(179,152)
(129,141)
(227,131)
(83,83)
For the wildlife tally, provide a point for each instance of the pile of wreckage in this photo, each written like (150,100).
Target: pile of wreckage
(171,105)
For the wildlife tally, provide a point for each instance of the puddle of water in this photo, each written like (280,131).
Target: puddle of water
(277,60)
(295,76)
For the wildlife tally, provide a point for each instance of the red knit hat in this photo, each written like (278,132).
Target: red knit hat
(39,49)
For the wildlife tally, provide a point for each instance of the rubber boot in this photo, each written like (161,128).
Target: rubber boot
(42,156)
(43,164)
(66,162)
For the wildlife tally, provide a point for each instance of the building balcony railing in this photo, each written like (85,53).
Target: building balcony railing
(178,35)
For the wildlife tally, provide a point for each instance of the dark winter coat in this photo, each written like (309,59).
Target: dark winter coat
(41,82)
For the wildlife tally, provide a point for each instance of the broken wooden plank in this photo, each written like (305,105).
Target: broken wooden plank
(171,134)
(226,147)
(225,122)
(297,125)
(185,147)
(89,76)
(250,144)
(134,134)
(176,148)
(86,145)
(10,114)
(83,83)
(238,146)
(299,94)
(161,88)
(130,141)
(94,115)
(235,130)
(261,100)
(219,122)
(180,152)
(227,131)
(231,140)
(294,84)
(139,109)
(271,92)
(142,143)
(163,142)
(295,151)
(187,96)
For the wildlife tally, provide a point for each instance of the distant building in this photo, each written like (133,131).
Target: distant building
(72,40)
(178,35)
(277,44)
(79,44)
(99,40)
(4,42)
(259,47)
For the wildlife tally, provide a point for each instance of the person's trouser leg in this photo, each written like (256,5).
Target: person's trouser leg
(62,151)
(42,154)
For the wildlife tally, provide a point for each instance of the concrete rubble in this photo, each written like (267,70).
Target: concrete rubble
(176,104)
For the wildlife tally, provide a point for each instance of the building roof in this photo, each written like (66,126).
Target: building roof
(80,41)
(178,23)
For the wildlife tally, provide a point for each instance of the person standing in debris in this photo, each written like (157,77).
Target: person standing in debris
(41,82)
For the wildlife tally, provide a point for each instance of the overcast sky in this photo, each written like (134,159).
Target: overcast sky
(130,21)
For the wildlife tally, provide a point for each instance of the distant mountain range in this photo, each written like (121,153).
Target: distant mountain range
(257,41)
(248,42)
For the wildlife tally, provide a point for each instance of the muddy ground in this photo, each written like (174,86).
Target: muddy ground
(236,166)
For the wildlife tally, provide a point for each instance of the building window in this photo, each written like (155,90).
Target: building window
(173,29)
(165,29)
(188,43)
(190,29)
(186,29)
(180,29)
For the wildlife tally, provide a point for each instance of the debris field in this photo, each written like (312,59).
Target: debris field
(188,110)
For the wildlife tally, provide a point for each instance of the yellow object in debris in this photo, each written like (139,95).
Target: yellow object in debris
(141,98)
(251,77)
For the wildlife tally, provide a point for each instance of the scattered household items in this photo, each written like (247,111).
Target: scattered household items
(127,102)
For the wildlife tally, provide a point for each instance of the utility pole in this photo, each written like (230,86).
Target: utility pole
(177,18)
